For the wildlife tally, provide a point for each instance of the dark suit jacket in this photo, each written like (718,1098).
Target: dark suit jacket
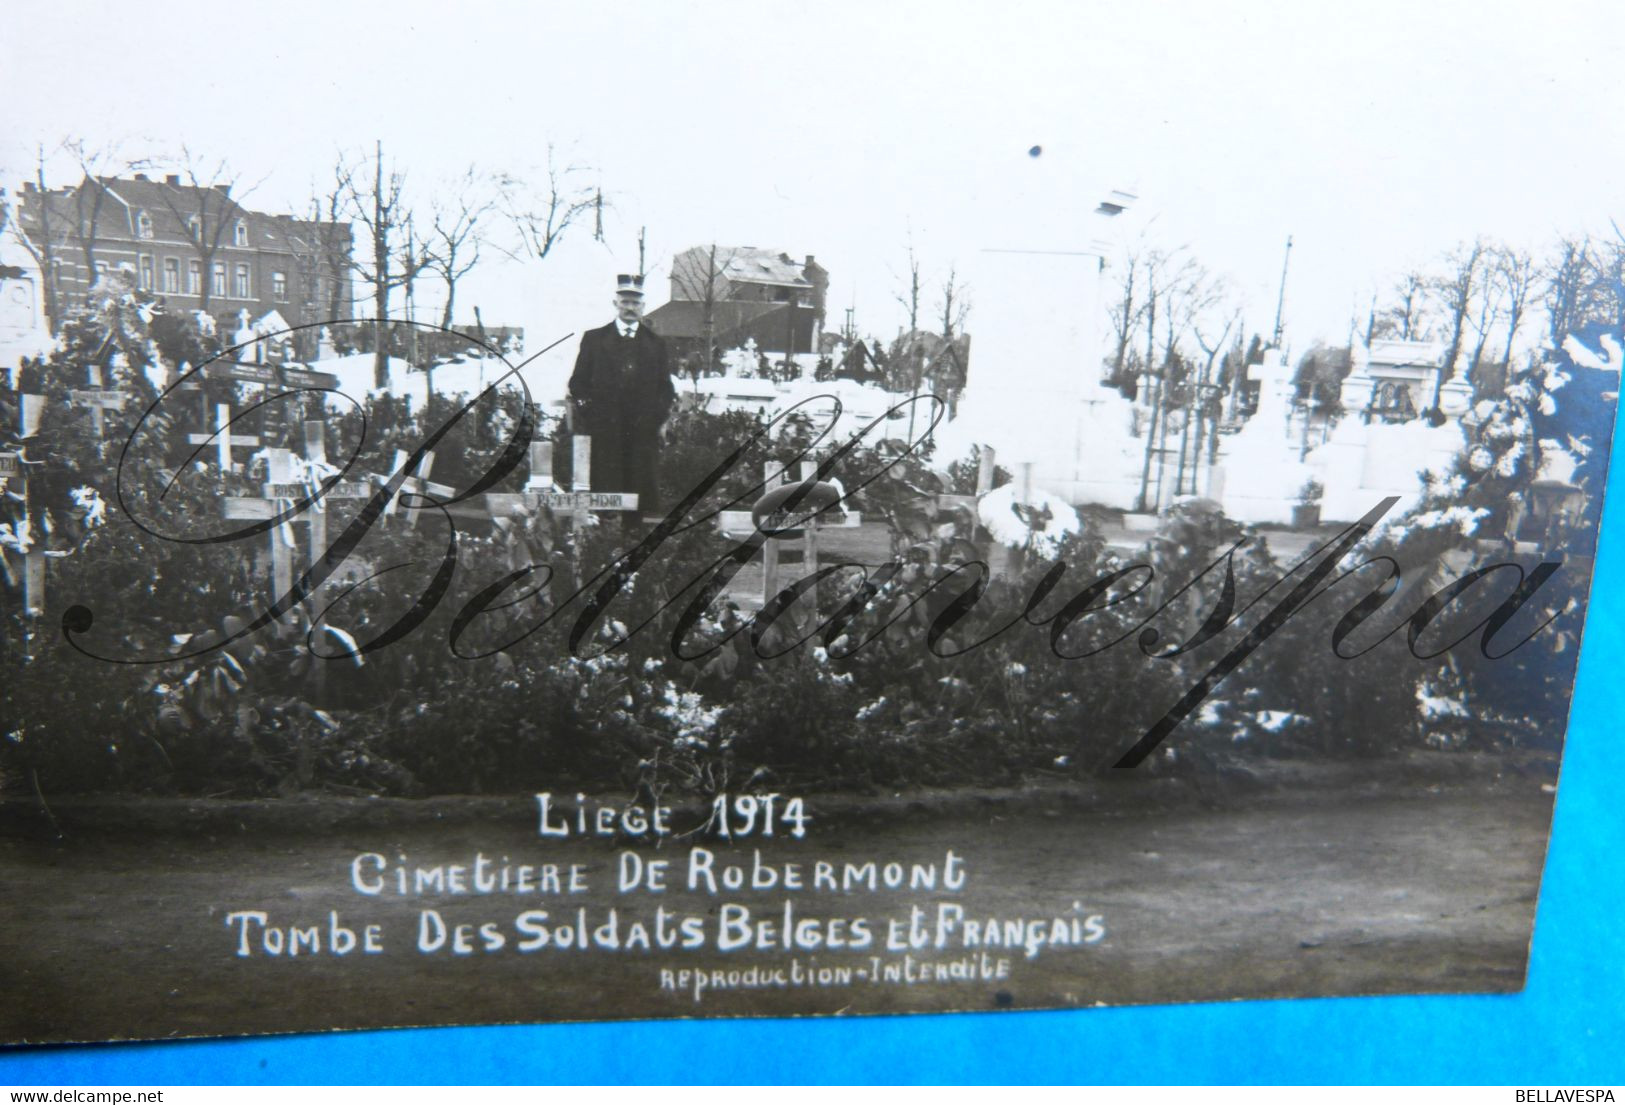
(621,385)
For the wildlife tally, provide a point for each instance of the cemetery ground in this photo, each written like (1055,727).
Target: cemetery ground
(1416,873)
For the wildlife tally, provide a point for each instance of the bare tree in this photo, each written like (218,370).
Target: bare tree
(414,263)
(909,297)
(1610,280)
(1207,403)
(1168,277)
(89,199)
(948,368)
(379,204)
(1188,294)
(53,224)
(1406,318)
(208,215)
(1517,273)
(699,276)
(1454,290)
(908,364)
(1230,316)
(542,210)
(1127,310)
(1566,290)
(457,232)
(1486,310)
(1187,291)
(954,304)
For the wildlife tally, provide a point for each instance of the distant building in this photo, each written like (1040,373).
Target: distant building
(732,294)
(194,246)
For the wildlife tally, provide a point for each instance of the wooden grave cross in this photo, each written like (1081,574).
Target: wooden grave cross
(541,488)
(282,488)
(579,503)
(98,397)
(775,475)
(224,439)
(99,400)
(417,484)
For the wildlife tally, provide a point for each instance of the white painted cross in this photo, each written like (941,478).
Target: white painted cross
(223,438)
(542,489)
(577,505)
(97,397)
(283,487)
(417,484)
(98,400)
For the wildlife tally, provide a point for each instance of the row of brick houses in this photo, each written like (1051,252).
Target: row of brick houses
(194,246)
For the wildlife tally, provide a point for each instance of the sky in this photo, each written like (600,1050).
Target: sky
(1376,134)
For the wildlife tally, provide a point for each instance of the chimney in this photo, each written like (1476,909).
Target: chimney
(141,176)
(30,186)
(173,180)
(811,261)
(223,189)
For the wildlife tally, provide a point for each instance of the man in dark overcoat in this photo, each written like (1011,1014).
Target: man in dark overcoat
(621,394)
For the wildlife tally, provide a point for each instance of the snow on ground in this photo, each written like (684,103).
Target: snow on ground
(547,379)
(860,405)
(1006,518)
(1079,442)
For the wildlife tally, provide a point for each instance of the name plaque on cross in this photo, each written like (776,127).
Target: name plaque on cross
(342,490)
(584,500)
(249,374)
(309,378)
(783,519)
(108,400)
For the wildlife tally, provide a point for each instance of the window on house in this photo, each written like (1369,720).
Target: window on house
(239,233)
(194,277)
(172,275)
(239,286)
(279,286)
(217,279)
(194,228)
(143,224)
(101,271)
(144,273)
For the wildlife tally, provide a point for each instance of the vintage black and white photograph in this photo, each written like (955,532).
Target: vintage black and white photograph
(519,514)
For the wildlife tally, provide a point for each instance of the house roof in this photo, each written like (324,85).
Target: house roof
(684,319)
(172,203)
(169,205)
(749,265)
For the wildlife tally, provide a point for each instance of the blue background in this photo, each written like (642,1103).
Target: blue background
(1566,1027)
